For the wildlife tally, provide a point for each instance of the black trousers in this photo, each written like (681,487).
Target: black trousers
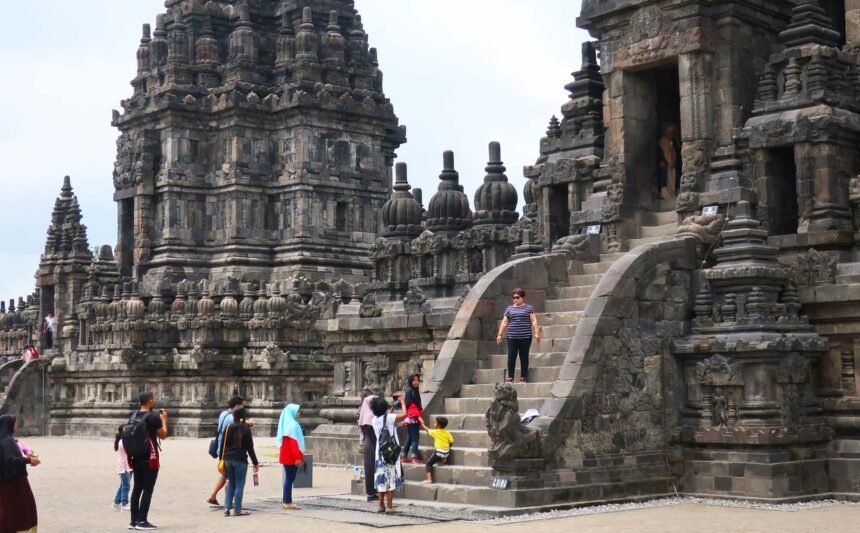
(519,347)
(144,486)
(49,338)
(368,453)
(436,458)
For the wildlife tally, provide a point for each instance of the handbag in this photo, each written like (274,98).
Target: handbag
(213,444)
(222,464)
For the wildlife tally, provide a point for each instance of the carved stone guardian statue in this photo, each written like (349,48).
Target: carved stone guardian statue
(511,440)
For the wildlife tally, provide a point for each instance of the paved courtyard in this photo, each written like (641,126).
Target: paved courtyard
(76,482)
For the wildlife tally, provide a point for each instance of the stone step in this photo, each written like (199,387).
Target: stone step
(536,359)
(464,421)
(537,374)
(558,318)
(658,231)
(848,279)
(480,405)
(485,390)
(597,268)
(473,438)
(449,493)
(564,330)
(460,455)
(563,293)
(566,304)
(659,218)
(663,206)
(578,280)
(557,344)
(633,243)
(450,474)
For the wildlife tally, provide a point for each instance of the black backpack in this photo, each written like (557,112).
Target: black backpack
(135,437)
(389,450)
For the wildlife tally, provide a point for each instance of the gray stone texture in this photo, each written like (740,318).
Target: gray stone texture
(708,354)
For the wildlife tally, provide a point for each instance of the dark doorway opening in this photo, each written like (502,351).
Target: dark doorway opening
(340,216)
(835,10)
(559,214)
(651,104)
(126,238)
(782,191)
(668,110)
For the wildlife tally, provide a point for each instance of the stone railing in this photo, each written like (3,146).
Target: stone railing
(470,338)
(608,395)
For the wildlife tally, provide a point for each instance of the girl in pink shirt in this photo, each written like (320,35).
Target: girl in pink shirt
(120,501)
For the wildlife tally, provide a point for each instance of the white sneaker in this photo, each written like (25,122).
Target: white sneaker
(117,507)
(125,507)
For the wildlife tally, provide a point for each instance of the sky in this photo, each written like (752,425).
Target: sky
(460,73)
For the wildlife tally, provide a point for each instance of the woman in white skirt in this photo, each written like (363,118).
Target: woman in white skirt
(389,477)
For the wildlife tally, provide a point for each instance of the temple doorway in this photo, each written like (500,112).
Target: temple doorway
(559,212)
(126,240)
(781,190)
(652,111)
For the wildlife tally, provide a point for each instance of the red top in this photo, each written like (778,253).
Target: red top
(290,452)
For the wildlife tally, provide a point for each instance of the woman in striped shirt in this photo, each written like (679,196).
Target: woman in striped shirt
(519,323)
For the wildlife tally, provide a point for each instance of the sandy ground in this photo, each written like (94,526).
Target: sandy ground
(76,483)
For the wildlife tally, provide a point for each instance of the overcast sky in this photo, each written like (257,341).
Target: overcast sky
(460,73)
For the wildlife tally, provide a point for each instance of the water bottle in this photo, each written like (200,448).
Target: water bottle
(356,473)
(256,480)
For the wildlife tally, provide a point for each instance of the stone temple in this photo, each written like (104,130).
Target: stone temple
(700,338)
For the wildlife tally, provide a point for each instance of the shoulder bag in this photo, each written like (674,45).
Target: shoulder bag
(222,464)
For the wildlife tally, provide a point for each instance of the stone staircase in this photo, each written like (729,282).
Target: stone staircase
(469,468)
(655,227)
(466,479)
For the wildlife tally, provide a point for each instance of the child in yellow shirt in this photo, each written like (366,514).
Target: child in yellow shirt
(442,442)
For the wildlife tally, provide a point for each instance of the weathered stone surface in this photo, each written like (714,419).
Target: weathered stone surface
(275,261)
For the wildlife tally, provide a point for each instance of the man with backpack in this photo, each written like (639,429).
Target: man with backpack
(389,472)
(224,420)
(139,440)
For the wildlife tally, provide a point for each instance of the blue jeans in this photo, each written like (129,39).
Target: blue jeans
(413,432)
(289,478)
(236,474)
(123,489)
(518,347)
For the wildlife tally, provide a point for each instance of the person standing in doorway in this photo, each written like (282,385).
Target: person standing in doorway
(145,467)
(668,163)
(368,446)
(224,420)
(520,325)
(48,329)
(291,442)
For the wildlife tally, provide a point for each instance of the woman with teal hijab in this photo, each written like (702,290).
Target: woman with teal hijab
(291,441)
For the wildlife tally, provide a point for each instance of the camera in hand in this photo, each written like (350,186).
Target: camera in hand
(396,399)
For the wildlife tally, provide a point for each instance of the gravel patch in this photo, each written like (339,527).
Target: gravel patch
(665,502)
